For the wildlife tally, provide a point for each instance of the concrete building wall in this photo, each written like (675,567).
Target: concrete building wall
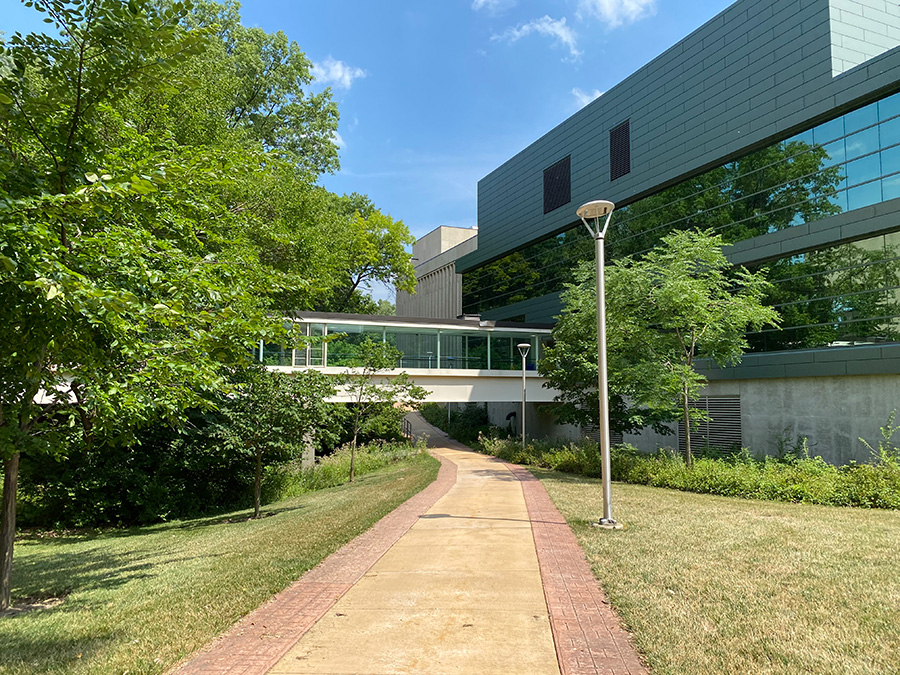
(440,239)
(833,413)
(540,422)
(438,287)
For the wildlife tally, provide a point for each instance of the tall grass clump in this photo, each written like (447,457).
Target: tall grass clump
(290,480)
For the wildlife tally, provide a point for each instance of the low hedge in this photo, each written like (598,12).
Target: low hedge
(790,479)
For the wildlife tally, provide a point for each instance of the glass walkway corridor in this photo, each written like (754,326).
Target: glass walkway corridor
(458,344)
(455,360)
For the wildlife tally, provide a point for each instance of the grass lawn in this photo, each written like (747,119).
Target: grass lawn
(139,600)
(721,585)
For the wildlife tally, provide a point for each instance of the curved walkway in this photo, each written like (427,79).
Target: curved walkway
(478,573)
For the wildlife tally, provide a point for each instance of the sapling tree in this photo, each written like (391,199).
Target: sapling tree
(267,415)
(376,399)
(681,300)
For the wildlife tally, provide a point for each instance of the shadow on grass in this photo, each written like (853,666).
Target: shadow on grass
(49,652)
(59,574)
(55,537)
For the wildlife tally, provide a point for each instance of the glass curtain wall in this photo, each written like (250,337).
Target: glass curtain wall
(834,297)
(844,164)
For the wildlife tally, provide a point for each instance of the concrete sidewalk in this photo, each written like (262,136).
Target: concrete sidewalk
(459,593)
(477,574)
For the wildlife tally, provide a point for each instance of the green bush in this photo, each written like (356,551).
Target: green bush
(170,473)
(466,425)
(795,477)
(167,473)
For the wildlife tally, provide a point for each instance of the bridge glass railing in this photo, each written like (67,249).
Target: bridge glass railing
(419,347)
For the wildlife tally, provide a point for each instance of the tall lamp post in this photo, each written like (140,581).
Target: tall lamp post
(590,215)
(523,350)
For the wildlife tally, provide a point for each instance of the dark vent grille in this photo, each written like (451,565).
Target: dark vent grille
(620,151)
(557,185)
(722,432)
(592,432)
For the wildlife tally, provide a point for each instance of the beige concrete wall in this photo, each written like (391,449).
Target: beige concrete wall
(438,287)
(438,295)
(439,240)
(832,412)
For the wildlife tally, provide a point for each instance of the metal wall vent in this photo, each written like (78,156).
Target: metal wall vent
(558,185)
(620,150)
(592,432)
(723,431)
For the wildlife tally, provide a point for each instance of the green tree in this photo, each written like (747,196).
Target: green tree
(681,300)
(378,402)
(137,261)
(570,364)
(369,247)
(268,414)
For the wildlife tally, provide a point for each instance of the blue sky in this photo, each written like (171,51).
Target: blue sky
(434,94)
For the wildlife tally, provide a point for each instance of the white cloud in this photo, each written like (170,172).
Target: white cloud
(493,6)
(617,12)
(552,28)
(585,97)
(338,140)
(337,73)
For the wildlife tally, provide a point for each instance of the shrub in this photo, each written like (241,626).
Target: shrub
(466,425)
(168,473)
(795,477)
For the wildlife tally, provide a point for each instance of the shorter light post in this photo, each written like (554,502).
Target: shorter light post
(523,350)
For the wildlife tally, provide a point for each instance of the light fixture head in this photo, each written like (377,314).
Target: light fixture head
(523,348)
(595,209)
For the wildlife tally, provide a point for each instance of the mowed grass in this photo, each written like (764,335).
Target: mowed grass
(140,600)
(721,585)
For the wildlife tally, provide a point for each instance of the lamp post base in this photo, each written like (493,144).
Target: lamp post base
(607,524)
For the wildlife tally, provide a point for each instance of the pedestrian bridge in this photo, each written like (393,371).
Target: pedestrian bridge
(455,360)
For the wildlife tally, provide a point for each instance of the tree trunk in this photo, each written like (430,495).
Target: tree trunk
(8,527)
(353,445)
(688,458)
(257,484)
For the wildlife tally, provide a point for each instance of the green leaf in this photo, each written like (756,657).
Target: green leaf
(4,99)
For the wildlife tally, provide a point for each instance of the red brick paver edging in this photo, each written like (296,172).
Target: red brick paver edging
(260,639)
(588,635)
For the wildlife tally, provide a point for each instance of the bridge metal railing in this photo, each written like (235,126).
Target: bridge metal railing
(407,429)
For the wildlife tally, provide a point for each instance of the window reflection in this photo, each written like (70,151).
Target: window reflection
(844,164)
(843,295)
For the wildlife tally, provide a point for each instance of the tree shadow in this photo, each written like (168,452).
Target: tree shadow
(49,653)
(59,574)
(497,474)
(54,537)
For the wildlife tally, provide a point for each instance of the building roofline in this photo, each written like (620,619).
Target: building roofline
(413,322)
